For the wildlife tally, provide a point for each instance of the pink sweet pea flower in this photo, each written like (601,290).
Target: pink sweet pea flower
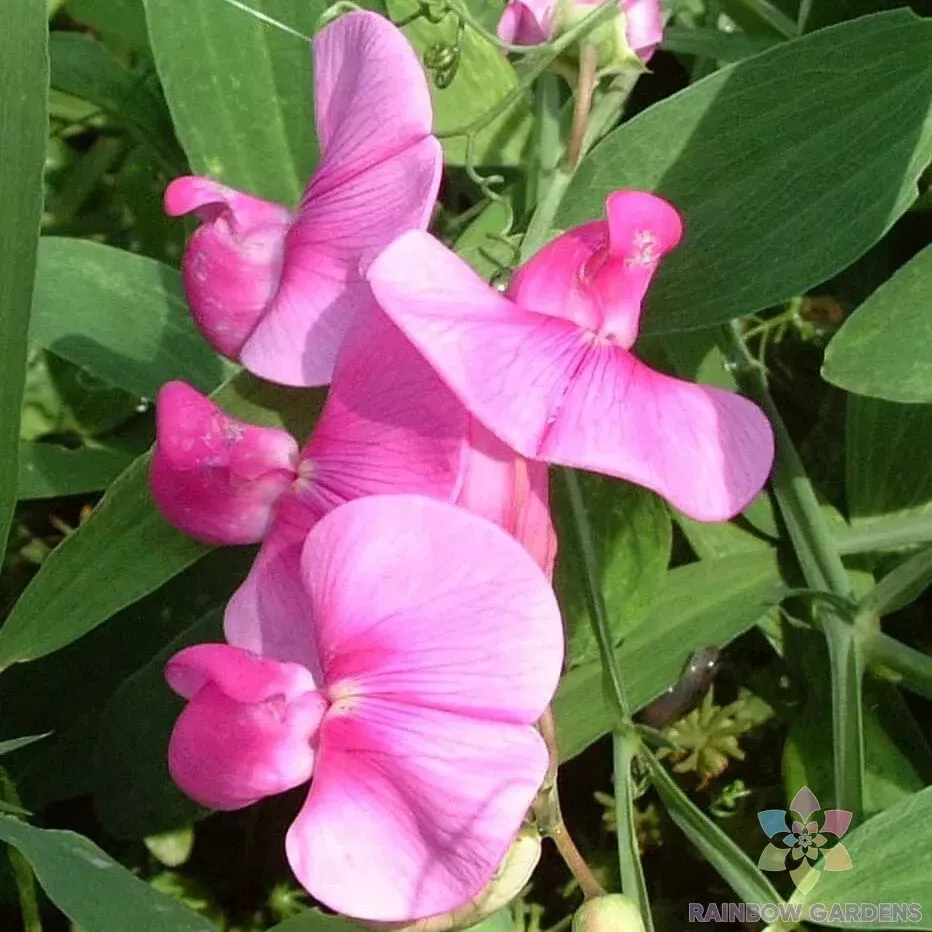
(279,290)
(419,737)
(549,369)
(532,22)
(388,425)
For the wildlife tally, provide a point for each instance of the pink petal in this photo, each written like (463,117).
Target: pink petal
(511,491)
(247,730)
(233,261)
(643,26)
(421,803)
(379,177)
(389,424)
(422,602)
(508,366)
(527,22)
(270,613)
(214,477)
(705,450)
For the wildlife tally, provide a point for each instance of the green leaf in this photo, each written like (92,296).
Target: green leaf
(126,549)
(835,124)
(92,889)
(631,531)
(735,867)
(312,920)
(239,90)
(125,19)
(888,451)
(86,68)
(882,349)
(891,862)
(47,470)
(24,121)
(482,79)
(714,43)
(14,744)
(480,243)
(134,795)
(703,604)
(120,316)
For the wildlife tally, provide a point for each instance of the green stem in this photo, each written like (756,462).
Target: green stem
(626,748)
(823,569)
(22,872)
(546,55)
(548,136)
(913,669)
(887,534)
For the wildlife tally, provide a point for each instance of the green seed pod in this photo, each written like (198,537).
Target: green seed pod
(611,913)
(509,880)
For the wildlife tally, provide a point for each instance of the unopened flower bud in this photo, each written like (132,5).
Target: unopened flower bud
(509,880)
(611,913)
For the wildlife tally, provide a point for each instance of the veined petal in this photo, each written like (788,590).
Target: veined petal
(389,424)
(270,614)
(214,477)
(233,262)
(510,367)
(421,602)
(705,450)
(248,727)
(371,95)
(421,803)
(339,231)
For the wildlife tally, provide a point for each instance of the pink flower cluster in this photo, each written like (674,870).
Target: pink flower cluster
(397,637)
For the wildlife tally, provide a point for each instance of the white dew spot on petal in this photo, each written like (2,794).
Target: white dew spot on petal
(646,251)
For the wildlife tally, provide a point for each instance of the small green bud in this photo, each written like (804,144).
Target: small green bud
(611,913)
(609,37)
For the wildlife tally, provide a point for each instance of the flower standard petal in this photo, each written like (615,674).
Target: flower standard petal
(247,729)
(643,26)
(379,177)
(422,602)
(233,262)
(212,476)
(411,808)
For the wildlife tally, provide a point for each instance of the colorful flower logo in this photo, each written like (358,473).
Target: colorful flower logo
(802,843)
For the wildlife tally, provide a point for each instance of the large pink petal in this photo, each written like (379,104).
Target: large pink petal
(248,729)
(422,804)
(527,22)
(389,424)
(233,262)
(339,230)
(422,602)
(270,613)
(510,367)
(371,95)
(705,450)
(513,492)
(212,476)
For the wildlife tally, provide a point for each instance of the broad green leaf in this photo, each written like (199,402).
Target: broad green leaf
(84,67)
(835,124)
(480,244)
(631,532)
(883,348)
(47,470)
(67,692)
(134,796)
(888,450)
(483,77)
(126,549)
(735,867)
(714,43)
(23,128)
(891,862)
(125,19)
(312,920)
(704,604)
(14,744)
(92,889)
(120,316)
(239,90)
